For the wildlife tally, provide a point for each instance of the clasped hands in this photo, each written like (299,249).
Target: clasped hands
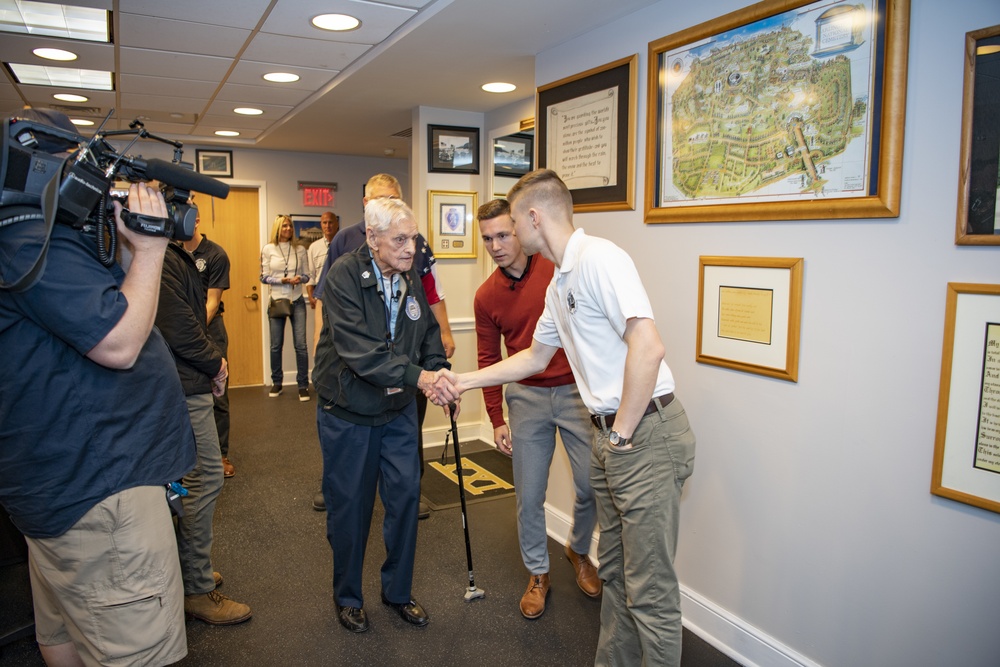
(441,387)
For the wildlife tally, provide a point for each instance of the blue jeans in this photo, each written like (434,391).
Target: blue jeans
(638,495)
(298,340)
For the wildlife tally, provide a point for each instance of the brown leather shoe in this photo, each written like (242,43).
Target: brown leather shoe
(586,573)
(215,608)
(227,468)
(533,600)
(217,578)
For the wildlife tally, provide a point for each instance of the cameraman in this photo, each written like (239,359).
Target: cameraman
(93,424)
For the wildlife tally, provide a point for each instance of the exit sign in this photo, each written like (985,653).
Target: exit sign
(320,195)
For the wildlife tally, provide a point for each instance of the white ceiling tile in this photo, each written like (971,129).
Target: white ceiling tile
(232,13)
(166,103)
(415,4)
(204,130)
(157,85)
(249,95)
(167,35)
(378,21)
(173,65)
(314,53)
(251,73)
(229,120)
(90,55)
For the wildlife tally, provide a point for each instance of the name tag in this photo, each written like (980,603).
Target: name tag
(392,390)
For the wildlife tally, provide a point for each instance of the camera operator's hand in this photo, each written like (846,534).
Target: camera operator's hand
(146,200)
(141,288)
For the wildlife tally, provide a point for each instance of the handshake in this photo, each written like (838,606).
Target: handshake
(442,388)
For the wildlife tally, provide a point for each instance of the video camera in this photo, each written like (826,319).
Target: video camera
(31,161)
(53,173)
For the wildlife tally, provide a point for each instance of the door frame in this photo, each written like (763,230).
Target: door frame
(262,230)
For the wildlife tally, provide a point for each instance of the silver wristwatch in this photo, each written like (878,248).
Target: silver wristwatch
(618,441)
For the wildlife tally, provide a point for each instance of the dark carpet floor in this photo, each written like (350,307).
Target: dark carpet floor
(270,545)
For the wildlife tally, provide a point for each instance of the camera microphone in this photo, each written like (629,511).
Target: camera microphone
(180,177)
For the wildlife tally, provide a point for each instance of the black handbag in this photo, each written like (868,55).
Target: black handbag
(279,308)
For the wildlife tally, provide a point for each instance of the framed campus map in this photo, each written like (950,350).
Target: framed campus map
(783,110)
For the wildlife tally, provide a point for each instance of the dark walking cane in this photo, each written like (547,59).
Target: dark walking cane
(471,593)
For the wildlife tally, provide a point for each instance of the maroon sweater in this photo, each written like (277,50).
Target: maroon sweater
(510,309)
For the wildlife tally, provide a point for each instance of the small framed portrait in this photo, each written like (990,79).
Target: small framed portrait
(452,229)
(453,149)
(215,163)
(513,155)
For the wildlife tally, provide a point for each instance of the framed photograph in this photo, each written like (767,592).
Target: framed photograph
(783,110)
(967,442)
(979,170)
(307,228)
(453,149)
(749,311)
(585,126)
(214,163)
(513,155)
(452,224)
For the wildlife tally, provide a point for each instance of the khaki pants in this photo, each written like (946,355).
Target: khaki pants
(111,584)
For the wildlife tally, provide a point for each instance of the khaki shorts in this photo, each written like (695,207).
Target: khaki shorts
(112,584)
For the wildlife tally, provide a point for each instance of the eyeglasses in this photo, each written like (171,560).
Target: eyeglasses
(386,197)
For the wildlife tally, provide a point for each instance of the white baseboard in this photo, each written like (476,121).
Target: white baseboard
(729,634)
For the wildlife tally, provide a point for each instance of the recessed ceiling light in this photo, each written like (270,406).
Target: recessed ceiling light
(81,121)
(68,97)
(54,54)
(248,111)
(338,22)
(44,19)
(176,115)
(227,133)
(281,77)
(499,87)
(63,77)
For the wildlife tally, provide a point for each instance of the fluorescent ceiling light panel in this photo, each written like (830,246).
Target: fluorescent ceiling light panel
(50,20)
(63,77)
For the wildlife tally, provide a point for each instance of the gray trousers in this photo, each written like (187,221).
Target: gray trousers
(194,529)
(535,414)
(638,494)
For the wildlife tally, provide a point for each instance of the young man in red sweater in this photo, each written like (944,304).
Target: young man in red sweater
(507,306)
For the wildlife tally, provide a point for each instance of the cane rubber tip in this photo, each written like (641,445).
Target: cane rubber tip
(474,594)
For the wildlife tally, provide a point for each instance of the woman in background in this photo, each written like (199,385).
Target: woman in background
(285,269)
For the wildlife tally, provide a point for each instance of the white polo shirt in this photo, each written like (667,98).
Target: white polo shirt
(591,297)
(317,257)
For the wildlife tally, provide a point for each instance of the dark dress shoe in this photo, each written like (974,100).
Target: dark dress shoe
(411,611)
(353,618)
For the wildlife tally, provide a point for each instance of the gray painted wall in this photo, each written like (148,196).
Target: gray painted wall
(809,518)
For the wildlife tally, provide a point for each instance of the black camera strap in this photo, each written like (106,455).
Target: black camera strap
(50,206)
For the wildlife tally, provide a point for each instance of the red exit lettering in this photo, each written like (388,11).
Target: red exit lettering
(320,197)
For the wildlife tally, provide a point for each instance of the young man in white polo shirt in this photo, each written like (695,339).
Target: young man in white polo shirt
(597,310)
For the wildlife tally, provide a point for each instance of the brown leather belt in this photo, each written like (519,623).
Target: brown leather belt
(604,422)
